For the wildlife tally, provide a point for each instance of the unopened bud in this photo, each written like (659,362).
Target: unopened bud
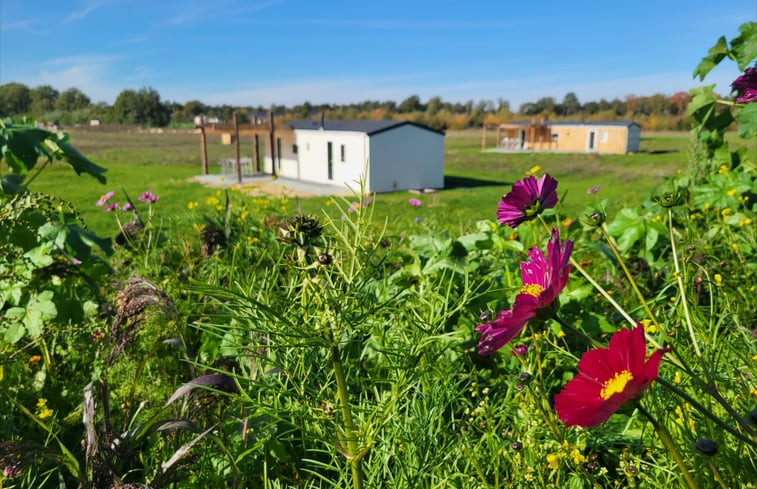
(595,218)
(672,198)
(707,446)
(524,377)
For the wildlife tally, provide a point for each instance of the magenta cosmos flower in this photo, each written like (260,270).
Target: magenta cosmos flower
(746,84)
(527,199)
(105,198)
(608,378)
(543,280)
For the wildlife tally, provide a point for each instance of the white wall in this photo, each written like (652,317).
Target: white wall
(312,150)
(406,157)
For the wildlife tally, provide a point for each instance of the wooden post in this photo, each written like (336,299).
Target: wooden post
(204,146)
(499,135)
(272,137)
(483,138)
(237,163)
(256,151)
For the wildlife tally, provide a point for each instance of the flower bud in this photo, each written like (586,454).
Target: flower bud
(516,445)
(672,198)
(595,218)
(707,446)
(524,377)
(325,259)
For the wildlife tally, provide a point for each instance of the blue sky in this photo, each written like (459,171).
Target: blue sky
(259,52)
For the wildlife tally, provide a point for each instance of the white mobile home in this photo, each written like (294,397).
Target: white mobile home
(388,155)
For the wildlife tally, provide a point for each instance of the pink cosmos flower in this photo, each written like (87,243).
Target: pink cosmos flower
(608,378)
(415,202)
(113,206)
(105,198)
(594,189)
(127,207)
(148,197)
(527,199)
(543,280)
(746,84)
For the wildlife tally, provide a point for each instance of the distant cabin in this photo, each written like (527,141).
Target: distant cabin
(611,137)
(391,154)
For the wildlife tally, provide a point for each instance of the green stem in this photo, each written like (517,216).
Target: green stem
(588,339)
(602,291)
(36,174)
(706,412)
(350,434)
(679,279)
(667,440)
(616,252)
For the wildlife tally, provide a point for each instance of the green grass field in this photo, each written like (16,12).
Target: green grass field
(474,181)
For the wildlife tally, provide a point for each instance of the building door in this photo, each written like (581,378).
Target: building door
(330,160)
(591,141)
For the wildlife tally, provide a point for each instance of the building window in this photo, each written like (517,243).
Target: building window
(603,137)
(342,153)
(294,149)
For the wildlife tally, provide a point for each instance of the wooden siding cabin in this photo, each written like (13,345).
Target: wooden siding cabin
(613,137)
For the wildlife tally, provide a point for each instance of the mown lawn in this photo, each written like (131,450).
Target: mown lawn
(474,181)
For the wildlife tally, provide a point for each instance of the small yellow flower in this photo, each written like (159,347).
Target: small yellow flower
(45,413)
(533,170)
(192,204)
(567,222)
(718,279)
(677,378)
(745,222)
(41,402)
(577,456)
(34,359)
(553,461)
(212,201)
(725,212)
(723,169)
(731,192)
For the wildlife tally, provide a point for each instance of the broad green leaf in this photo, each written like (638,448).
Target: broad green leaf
(716,55)
(15,330)
(627,227)
(748,121)
(22,146)
(702,101)
(12,184)
(744,46)
(79,162)
(39,310)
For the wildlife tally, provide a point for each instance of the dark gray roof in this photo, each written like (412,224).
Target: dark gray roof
(369,127)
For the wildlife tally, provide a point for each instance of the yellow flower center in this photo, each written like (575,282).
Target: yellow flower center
(531,289)
(616,384)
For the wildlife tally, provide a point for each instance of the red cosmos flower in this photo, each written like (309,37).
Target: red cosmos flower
(527,199)
(542,282)
(746,84)
(608,378)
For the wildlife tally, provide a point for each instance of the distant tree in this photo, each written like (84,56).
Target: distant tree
(570,104)
(71,99)
(410,104)
(590,108)
(528,108)
(433,106)
(15,99)
(43,99)
(126,108)
(678,102)
(546,105)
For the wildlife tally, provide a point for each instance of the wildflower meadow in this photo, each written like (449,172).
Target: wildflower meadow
(263,348)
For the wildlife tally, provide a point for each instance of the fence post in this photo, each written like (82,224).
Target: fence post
(273,143)
(236,148)
(204,146)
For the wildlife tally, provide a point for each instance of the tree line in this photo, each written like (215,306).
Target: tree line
(145,107)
